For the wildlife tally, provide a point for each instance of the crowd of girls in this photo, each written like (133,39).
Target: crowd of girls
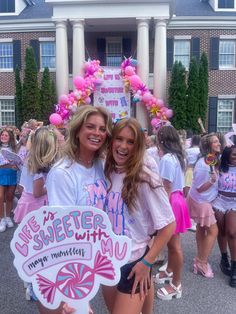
(153,209)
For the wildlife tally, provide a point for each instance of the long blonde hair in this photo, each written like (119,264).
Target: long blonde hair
(135,173)
(73,144)
(43,151)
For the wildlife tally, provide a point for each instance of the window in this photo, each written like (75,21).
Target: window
(7,6)
(48,54)
(227,54)
(113,52)
(6,56)
(225,115)
(226,4)
(182,52)
(7,111)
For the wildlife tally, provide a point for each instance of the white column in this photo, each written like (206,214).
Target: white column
(78,46)
(160,65)
(143,64)
(62,67)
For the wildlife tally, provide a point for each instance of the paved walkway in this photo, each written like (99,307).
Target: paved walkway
(200,295)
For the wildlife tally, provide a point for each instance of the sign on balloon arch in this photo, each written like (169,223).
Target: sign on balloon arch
(93,80)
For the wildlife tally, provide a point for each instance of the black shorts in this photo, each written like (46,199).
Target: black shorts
(125,285)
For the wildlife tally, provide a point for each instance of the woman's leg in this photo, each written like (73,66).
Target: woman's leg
(127,304)
(175,258)
(230,222)
(2,192)
(109,295)
(9,196)
(205,237)
(222,239)
(149,300)
(222,242)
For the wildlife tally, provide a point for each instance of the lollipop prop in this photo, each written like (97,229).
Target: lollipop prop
(211,160)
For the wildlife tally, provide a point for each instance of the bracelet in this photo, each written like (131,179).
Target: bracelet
(146,263)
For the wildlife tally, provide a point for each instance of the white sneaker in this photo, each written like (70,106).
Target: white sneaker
(9,222)
(3,225)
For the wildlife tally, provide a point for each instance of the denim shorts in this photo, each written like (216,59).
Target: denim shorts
(125,285)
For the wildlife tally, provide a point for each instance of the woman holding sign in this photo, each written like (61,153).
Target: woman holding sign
(78,178)
(142,208)
(8,171)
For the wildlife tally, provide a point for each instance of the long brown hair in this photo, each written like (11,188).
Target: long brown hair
(169,141)
(134,171)
(12,139)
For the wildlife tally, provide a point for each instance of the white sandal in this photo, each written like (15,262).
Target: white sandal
(163,294)
(167,278)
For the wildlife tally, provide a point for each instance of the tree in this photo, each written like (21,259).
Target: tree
(46,96)
(192,108)
(177,96)
(54,94)
(30,92)
(203,87)
(18,98)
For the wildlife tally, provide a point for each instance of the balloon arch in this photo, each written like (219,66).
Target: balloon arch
(68,105)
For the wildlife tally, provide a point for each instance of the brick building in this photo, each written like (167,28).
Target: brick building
(156,32)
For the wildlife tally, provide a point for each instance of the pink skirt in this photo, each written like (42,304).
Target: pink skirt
(201,213)
(180,210)
(28,203)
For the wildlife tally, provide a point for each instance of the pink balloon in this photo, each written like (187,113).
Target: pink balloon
(63,99)
(55,119)
(135,81)
(79,82)
(147,97)
(160,103)
(87,100)
(129,70)
(169,113)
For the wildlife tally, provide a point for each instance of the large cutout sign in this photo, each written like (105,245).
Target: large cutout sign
(67,252)
(111,94)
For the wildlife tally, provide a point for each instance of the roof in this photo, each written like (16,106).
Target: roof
(197,8)
(35,9)
(38,9)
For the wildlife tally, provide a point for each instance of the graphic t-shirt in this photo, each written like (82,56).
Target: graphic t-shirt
(227,181)
(152,212)
(70,183)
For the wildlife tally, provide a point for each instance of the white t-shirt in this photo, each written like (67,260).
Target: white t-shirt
(192,155)
(27,179)
(150,162)
(201,174)
(153,151)
(171,170)
(152,212)
(70,183)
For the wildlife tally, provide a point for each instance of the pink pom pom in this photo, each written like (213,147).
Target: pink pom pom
(135,81)
(63,99)
(129,70)
(87,100)
(55,119)
(160,103)
(169,113)
(154,122)
(79,82)
(147,97)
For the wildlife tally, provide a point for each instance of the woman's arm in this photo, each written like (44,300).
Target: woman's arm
(168,186)
(207,185)
(141,271)
(39,187)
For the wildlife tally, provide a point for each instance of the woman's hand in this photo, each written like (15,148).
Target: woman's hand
(142,277)
(70,310)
